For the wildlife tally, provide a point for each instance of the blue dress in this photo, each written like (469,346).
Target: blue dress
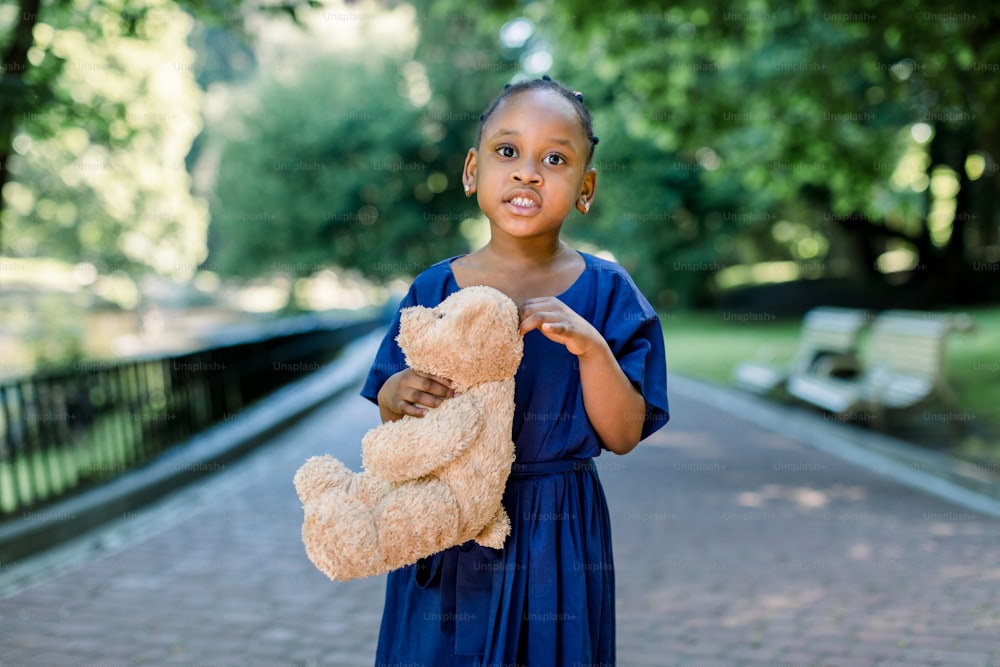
(547,598)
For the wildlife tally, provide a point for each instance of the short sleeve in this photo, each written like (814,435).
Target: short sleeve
(635,337)
(389,359)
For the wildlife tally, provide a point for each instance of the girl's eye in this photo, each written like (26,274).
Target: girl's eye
(505,151)
(555,158)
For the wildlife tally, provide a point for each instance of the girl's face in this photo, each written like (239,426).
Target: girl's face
(530,169)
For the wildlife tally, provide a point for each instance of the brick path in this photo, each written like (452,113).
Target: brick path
(734,546)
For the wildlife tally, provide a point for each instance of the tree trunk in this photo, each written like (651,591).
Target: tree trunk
(950,148)
(12,88)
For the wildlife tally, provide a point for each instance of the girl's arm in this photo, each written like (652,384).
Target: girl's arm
(614,406)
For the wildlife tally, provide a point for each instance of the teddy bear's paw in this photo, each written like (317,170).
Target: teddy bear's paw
(340,537)
(320,474)
(495,533)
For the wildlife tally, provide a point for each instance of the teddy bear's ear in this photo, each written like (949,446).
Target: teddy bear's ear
(475,308)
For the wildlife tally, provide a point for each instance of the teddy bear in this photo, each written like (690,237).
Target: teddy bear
(429,482)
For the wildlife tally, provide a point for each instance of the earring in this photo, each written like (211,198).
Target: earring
(586,206)
(468,190)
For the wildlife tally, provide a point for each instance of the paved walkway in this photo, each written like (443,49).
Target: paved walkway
(734,546)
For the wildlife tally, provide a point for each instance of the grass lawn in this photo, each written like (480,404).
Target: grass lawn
(707,346)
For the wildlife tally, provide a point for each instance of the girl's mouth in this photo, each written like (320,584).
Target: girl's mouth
(523,204)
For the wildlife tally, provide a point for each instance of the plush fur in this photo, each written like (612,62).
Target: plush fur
(430,482)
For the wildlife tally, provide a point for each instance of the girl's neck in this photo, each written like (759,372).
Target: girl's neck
(542,252)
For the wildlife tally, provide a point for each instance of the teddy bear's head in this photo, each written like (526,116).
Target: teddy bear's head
(470,337)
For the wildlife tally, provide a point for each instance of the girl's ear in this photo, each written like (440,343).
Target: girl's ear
(587,191)
(469,172)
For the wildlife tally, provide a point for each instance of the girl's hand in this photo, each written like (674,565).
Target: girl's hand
(559,323)
(411,393)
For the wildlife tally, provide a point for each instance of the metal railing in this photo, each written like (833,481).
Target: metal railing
(62,433)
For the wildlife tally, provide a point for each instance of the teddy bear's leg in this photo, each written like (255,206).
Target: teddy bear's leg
(496,531)
(318,475)
(416,519)
(368,489)
(340,536)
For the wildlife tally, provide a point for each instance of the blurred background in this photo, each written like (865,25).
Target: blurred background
(176,171)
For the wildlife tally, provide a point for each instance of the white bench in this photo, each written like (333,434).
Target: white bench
(904,367)
(827,348)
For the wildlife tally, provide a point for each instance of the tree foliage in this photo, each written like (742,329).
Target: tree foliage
(865,126)
(846,139)
(332,168)
(98,111)
(355,162)
(100,176)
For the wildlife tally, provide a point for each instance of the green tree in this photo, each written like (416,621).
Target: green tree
(102,178)
(827,135)
(356,162)
(866,125)
(333,168)
(97,111)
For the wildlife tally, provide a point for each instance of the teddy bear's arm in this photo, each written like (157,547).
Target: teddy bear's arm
(416,446)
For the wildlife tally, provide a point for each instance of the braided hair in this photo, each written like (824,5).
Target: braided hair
(545,83)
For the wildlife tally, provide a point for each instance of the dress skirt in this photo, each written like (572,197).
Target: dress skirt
(547,598)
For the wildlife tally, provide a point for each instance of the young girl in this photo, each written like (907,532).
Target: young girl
(593,377)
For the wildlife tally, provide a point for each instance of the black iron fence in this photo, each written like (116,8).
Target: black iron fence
(62,433)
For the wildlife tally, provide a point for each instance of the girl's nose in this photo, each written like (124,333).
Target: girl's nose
(527,172)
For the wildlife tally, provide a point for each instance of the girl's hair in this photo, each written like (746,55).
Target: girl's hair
(545,83)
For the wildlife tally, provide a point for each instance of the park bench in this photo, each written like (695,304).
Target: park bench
(904,367)
(827,348)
